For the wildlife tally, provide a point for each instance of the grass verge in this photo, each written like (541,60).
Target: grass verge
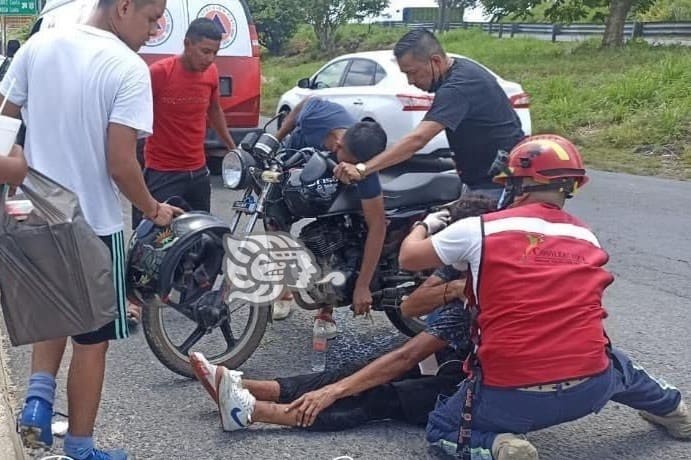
(628,109)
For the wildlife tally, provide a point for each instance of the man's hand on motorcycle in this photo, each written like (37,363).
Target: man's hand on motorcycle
(309,405)
(362,300)
(437,221)
(346,173)
(165,214)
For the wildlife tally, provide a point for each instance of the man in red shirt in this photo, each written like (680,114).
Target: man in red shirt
(185,94)
(537,274)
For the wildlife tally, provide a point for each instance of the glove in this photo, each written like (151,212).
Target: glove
(436,221)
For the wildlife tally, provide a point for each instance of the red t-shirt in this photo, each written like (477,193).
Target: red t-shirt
(181,102)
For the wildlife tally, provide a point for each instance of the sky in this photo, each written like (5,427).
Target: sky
(396,9)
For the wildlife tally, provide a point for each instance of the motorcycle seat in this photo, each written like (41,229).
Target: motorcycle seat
(427,188)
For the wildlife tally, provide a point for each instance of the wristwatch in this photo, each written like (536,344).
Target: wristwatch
(361,169)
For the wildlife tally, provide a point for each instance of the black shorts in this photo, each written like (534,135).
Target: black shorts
(194,187)
(116,329)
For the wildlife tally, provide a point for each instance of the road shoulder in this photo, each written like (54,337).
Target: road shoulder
(10,445)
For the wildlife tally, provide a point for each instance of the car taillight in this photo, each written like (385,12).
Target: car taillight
(520,101)
(415,102)
(254,39)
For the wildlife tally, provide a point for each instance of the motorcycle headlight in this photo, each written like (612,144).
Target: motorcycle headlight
(235,169)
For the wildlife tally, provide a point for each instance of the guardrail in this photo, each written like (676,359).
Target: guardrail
(647,30)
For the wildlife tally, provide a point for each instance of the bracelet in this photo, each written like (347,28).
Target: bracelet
(446,288)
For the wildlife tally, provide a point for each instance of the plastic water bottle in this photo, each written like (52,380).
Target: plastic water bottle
(319,346)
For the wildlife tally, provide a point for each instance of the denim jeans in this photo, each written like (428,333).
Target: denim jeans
(498,411)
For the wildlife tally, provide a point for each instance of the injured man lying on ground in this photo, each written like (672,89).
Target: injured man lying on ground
(390,387)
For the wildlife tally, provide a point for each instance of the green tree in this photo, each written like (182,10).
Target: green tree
(445,8)
(668,10)
(326,16)
(276,22)
(568,11)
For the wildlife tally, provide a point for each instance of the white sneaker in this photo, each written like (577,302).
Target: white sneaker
(281,309)
(235,404)
(677,423)
(205,373)
(507,446)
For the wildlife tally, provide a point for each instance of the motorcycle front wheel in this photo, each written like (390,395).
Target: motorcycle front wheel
(408,326)
(168,334)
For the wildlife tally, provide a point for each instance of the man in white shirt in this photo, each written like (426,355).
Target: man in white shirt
(85,97)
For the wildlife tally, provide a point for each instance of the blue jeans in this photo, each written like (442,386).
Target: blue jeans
(515,411)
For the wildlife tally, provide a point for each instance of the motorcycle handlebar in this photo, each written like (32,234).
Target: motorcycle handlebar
(327,158)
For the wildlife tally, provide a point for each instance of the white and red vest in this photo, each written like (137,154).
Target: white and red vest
(538,278)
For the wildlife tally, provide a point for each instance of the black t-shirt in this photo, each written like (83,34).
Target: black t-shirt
(478,118)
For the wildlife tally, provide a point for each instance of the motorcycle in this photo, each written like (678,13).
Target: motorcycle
(282,186)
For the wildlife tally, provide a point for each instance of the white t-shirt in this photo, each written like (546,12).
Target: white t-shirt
(460,245)
(72,82)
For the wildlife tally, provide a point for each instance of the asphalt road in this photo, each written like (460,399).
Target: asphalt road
(643,222)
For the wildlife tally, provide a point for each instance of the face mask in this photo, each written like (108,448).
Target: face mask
(437,80)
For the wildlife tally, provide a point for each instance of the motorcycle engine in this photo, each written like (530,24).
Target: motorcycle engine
(336,244)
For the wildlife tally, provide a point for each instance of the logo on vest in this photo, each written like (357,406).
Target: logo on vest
(534,242)
(534,252)
(224,20)
(164,28)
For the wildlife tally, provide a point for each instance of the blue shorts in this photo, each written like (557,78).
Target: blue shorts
(450,323)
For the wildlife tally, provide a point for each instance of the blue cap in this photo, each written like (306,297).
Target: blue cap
(318,118)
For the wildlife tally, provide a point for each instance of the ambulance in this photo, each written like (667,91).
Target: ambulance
(237,60)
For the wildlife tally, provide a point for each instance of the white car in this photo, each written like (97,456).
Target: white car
(371,87)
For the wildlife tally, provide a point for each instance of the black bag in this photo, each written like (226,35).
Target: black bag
(55,272)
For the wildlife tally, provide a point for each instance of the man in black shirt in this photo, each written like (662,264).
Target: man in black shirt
(469,104)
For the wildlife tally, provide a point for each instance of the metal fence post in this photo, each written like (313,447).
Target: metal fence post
(490,28)
(555,31)
(637,31)
(514,29)
(501,29)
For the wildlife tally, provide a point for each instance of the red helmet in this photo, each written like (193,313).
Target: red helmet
(545,158)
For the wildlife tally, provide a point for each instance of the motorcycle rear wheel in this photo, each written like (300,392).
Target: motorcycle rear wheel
(170,356)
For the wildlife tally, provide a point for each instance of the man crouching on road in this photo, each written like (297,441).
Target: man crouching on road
(390,387)
(544,357)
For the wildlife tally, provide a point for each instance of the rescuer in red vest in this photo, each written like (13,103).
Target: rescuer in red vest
(536,277)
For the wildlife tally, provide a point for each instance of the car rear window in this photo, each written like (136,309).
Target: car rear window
(360,73)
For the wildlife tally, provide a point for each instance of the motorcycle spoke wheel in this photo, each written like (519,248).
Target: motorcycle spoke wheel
(195,337)
(171,336)
(228,334)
